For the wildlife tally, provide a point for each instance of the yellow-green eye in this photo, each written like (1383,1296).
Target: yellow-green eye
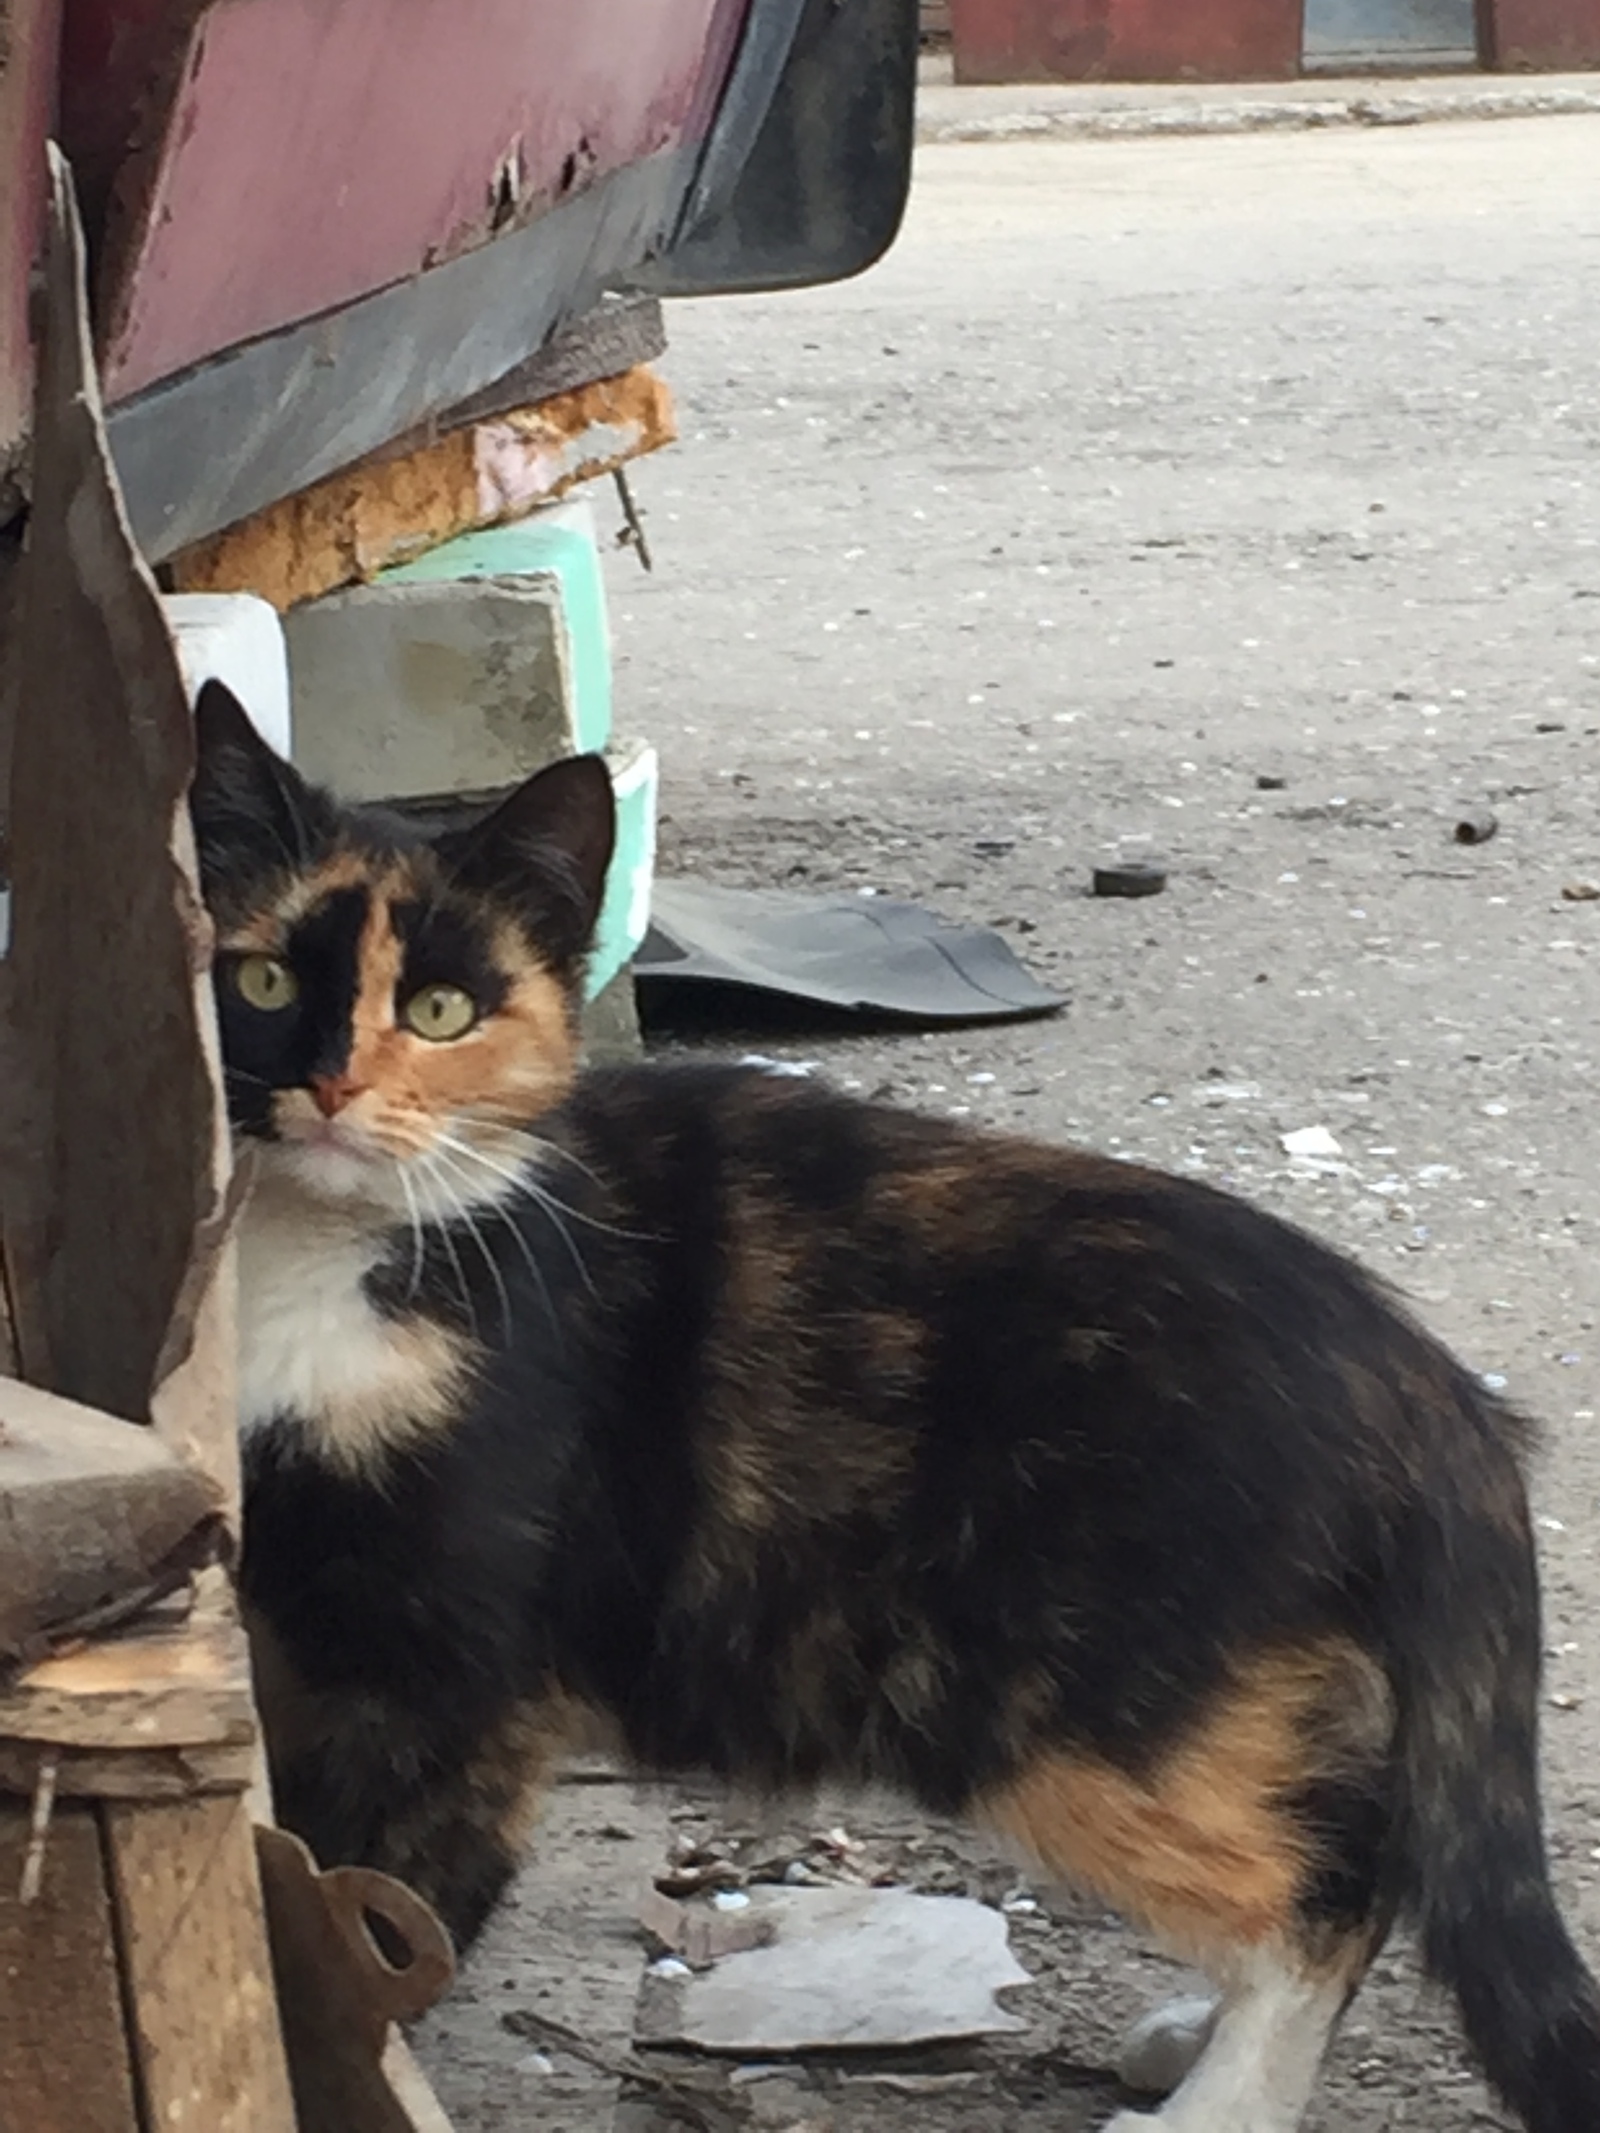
(440,1013)
(262,981)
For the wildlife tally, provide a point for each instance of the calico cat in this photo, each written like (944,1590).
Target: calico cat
(799,1437)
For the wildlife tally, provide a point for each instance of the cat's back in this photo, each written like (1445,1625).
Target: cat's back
(741,1154)
(906,1266)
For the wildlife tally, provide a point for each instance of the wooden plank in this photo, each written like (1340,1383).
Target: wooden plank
(619,334)
(93,1516)
(175,1678)
(389,510)
(196,1968)
(64,2063)
(131,1773)
(413,2090)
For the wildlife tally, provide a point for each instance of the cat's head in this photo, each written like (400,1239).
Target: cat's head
(396,1007)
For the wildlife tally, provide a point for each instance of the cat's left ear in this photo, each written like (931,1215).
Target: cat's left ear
(545,851)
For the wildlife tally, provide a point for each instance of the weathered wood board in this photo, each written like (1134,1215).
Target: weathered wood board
(193,1940)
(64,2060)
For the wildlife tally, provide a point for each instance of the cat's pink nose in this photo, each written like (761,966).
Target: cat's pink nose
(331,1092)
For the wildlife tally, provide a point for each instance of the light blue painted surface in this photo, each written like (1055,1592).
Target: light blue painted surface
(558,543)
(626,911)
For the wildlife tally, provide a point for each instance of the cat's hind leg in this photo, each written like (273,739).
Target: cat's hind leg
(1252,1843)
(1257,2073)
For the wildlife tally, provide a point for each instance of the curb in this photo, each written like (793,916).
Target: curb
(1263,116)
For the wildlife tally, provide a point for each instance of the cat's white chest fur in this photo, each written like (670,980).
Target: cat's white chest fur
(312,1347)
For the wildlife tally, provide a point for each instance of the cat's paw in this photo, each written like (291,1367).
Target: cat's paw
(1161,2047)
(1134,2122)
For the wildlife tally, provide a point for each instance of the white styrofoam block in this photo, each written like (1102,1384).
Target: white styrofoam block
(235,638)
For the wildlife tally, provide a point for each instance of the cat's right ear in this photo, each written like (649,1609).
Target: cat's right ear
(254,815)
(545,849)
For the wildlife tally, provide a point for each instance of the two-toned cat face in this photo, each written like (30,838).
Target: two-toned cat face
(395,1009)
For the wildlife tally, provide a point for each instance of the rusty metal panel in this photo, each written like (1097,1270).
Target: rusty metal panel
(302,155)
(1125,40)
(28,34)
(1542,35)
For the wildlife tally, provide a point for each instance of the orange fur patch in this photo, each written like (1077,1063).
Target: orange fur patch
(516,1062)
(1201,1849)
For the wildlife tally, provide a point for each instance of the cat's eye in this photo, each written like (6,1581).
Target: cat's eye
(440,1013)
(262,981)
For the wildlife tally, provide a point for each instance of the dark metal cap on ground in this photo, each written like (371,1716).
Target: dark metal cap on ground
(1130,877)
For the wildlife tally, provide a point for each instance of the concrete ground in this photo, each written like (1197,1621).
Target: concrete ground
(1142,473)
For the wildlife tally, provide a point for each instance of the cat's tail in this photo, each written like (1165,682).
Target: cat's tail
(1464,1646)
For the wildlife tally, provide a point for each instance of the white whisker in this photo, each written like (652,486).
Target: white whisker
(449,1244)
(541,1144)
(489,1260)
(417,1241)
(530,1258)
(522,1176)
(551,1207)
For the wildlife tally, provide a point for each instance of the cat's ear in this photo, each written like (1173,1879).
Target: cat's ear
(254,814)
(544,851)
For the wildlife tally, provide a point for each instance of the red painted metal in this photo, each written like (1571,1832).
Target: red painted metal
(1126,40)
(28,37)
(1543,35)
(296,155)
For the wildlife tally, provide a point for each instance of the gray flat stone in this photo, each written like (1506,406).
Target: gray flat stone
(848,1967)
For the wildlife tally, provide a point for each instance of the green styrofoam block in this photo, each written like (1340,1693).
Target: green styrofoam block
(558,542)
(625,914)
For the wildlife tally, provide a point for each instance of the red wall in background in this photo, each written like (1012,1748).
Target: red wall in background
(1131,40)
(1541,35)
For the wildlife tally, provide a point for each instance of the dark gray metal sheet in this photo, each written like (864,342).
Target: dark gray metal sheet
(820,193)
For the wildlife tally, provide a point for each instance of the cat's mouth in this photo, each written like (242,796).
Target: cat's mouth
(384,1163)
(336,1158)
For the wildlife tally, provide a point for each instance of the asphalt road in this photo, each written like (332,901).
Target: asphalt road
(1141,472)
